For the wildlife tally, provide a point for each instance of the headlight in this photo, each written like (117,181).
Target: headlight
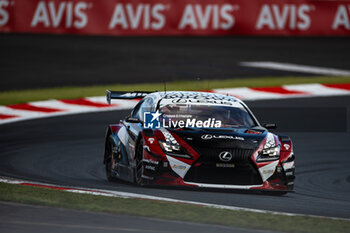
(174,150)
(269,154)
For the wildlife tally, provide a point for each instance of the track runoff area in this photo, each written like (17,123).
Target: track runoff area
(57,107)
(50,108)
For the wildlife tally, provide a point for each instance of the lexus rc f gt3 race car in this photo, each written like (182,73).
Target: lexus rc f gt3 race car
(196,139)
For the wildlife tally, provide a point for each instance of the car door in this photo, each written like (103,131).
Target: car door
(134,129)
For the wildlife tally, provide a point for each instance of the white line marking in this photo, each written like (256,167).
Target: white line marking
(112,193)
(74,226)
(296,68)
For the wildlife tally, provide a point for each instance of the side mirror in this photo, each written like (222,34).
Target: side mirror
(270,126)
(132,120)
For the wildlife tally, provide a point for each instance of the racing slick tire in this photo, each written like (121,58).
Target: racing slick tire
(108,162)
(139,167)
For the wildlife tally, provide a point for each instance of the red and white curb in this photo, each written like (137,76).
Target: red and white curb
(51,108)
(111,193)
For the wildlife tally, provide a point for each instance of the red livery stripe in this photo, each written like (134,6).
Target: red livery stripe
(28,107)
(344,86)
(4,116)
(278,90)
(86,102)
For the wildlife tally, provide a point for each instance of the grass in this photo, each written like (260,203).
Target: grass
(22,96)
(164,210)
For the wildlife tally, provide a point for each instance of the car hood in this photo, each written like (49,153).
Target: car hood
(241,138)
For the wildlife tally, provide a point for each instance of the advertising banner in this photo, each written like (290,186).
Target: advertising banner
(180,17)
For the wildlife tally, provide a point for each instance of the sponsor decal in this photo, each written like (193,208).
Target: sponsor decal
(225,156)
(4,12)
(153,120)
(203,101)
(210,136)
(149,167)
(284,17)
(206,136)
(150,161)
(128,16)
(342,18)
(290,173)
(225,165)
(286,146)
(193,96)
(253,132)
(210,17)
(267,172)
(51,14)
(151,140)
(176,166)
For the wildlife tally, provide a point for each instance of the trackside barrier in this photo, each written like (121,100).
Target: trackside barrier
(177,17)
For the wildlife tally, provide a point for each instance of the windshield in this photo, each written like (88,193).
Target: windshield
(230,117)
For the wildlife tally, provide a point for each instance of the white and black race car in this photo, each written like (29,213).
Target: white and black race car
(197,139)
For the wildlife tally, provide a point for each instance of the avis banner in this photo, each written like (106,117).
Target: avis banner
(177,17)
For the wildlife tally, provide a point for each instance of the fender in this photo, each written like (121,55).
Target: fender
(286,148)
(114,128)
(121,166)
(287,160)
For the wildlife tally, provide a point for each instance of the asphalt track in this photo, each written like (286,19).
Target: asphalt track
(17,218)
(69,150)
(36,61)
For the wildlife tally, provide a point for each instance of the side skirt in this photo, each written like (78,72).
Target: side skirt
(123,172)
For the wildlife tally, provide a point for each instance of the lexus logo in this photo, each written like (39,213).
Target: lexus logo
(207,136)
(225,156)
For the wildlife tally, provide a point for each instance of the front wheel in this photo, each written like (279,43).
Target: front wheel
(109,157)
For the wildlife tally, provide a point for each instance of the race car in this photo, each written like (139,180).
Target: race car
(196,139)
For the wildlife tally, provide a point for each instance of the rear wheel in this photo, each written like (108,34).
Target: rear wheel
(109,159)
(139,163)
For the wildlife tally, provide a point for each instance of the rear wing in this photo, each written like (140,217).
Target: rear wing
(125,95)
